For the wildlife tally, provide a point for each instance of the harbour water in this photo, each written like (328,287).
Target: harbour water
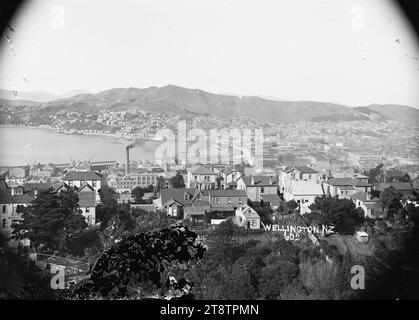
(22,146)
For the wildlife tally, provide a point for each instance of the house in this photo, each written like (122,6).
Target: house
(87,203)
(296,174)
(201,178)
(247,218)
(345,187)
(372,206)
(303,193)
(404,188)
(173,200)
(255,186)
(79,178)
(272,200)
(230,175)
(10,200)
(226,201)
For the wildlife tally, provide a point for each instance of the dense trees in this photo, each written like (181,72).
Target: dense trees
(177,181)
(143,266)
(51,220)
(340,213)
(138,193)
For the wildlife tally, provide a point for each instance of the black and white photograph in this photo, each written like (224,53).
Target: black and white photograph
(209,156)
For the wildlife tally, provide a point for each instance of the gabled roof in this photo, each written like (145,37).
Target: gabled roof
(250,213)
(341,181)
(306,170)
(200,170)
(260,181)
(227,193)
(273,199)
(362,196)
(86,186)
(87,199)
(7,198)
(80,175)
(176,194)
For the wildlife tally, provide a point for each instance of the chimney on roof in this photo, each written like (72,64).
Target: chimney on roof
(368,195)
(270,180)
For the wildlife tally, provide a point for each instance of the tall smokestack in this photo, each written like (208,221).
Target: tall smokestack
(127,165)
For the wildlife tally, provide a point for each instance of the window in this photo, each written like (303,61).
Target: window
(240,200)
(228,200)
(3,210)
(4,223)
(196,177)
(262,190)
(87,210)
(94,184)
(218,200)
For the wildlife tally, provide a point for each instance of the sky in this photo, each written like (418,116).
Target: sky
(354,52)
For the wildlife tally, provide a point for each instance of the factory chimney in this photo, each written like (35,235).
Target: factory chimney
(127,164)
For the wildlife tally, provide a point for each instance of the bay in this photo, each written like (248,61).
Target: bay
(22,146)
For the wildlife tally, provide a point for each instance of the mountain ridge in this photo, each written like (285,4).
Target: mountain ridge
(182,101)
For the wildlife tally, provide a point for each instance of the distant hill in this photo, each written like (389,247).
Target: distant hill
(37,96)
(394,112)
(183,101)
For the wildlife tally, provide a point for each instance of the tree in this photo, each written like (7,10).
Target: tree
(161,183)
(177,181)
(108,206)
(374,173)
(51,220)
(276,276)
(107,196)
(138,194)
(340,213)
(391,200)
(142,266)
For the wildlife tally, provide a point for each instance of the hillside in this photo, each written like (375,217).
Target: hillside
(178,100)
(184,101)
(395,112)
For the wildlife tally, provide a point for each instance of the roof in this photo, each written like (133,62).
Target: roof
(346,188)
(250,213)
(227,193)
(306,170)
(87,199)
(177,194)
(305,188)
(80,175)
(362,196)
(273,199)
(341,181)
(6,198)
(260,181)
(200,170)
